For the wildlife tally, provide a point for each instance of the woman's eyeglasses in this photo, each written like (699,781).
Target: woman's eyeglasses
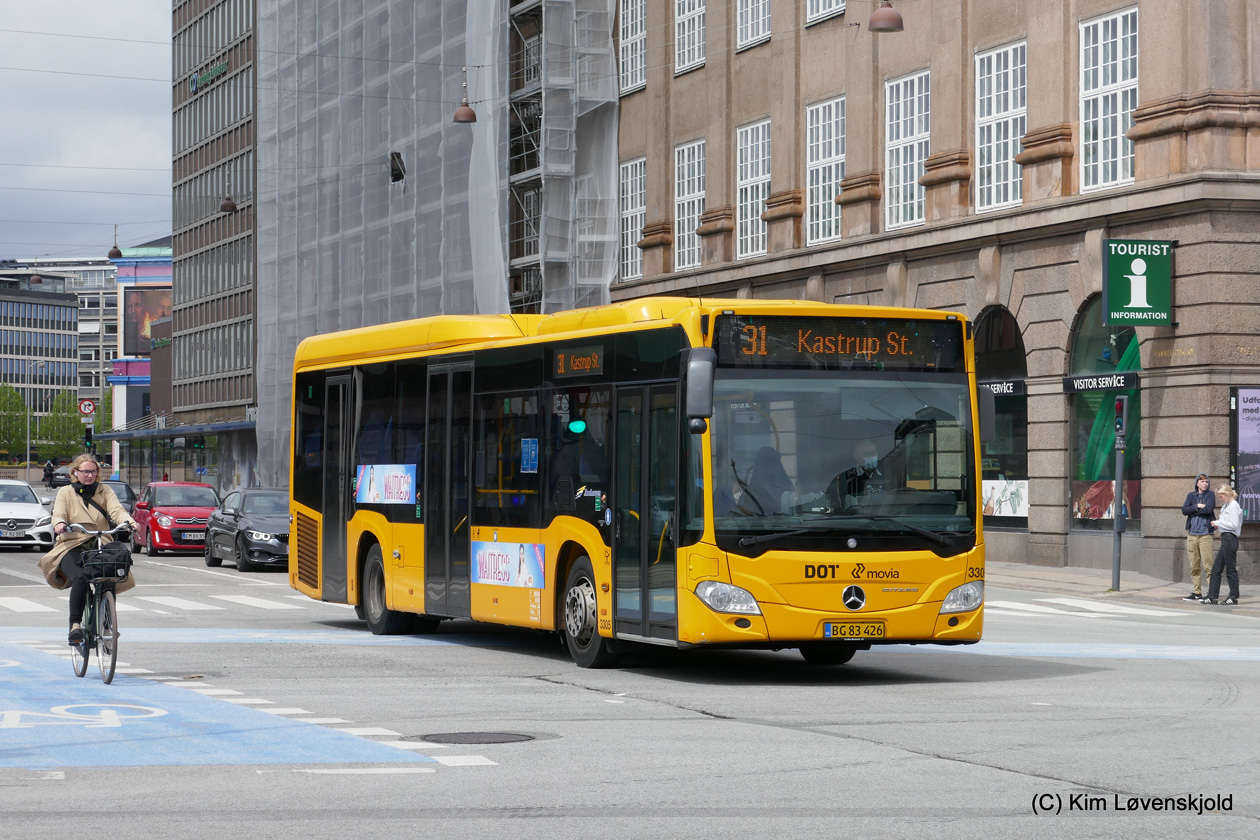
(86,472)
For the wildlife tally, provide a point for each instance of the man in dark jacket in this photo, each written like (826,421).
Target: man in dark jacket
(1198,511)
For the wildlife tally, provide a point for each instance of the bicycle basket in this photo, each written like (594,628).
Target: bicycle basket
(113,562)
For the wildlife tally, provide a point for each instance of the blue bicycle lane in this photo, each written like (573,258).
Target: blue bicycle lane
(50,718)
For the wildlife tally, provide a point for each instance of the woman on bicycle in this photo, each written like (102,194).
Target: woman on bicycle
(95,507)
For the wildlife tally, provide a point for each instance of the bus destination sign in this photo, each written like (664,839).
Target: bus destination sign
(578,361)
(779,341)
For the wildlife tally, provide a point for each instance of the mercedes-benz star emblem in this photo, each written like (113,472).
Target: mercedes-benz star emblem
(854,597)
(12,524)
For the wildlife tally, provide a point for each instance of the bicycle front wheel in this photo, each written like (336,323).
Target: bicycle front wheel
(107,636)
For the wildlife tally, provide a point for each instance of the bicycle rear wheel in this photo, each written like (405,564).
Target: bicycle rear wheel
(107,636)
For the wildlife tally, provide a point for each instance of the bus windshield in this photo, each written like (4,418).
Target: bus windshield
(834,460)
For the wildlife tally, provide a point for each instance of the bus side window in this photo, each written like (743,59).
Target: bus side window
(508,485)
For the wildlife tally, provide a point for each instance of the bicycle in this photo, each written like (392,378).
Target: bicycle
(100,615)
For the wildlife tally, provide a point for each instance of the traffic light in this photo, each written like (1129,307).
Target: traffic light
(87,436)
(1122,415)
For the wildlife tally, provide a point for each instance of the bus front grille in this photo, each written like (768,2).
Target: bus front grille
(307,551)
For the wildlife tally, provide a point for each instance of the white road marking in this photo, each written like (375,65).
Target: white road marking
(250,601)
(177,603)
(371,730)
(464,760)
(215,692)
(367,771)
(323,720)
(413,745)
(1030,608)
(1118,609)
(24,606)
(285,711)
(249,701)
(25,576)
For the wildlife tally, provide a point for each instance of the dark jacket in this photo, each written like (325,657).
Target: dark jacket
(1192,510)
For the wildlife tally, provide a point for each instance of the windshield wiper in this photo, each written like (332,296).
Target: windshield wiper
(745,542)
(933,536)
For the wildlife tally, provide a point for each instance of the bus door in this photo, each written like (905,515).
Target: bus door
(447,474)
(643,504)
(338,499)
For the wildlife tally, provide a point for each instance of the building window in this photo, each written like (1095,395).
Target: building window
(688,203)
(688,34)
(752,188)
(754,23)
(1002,366)
(1001,120)
(908,131)
(824,155)
(633,208)
(1109,74)
(633,45)
(819,9)
(1097,349)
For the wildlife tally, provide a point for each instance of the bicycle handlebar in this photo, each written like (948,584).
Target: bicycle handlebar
(117,529)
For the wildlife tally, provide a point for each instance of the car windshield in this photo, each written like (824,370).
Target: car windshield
(187,497)
(17,494)
(268,503)
(122,491)
(801,458)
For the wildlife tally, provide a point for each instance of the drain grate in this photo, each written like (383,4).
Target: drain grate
(472,738)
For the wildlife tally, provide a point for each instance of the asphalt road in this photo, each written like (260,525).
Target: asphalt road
(245,709)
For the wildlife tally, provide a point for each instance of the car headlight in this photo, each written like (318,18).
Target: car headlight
(965,598)
(42,521)
(722,597)
(164,521)
(260,536)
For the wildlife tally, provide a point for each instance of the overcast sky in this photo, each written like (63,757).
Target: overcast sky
(85,125)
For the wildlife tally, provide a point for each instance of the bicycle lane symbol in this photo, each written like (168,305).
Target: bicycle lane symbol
(90,715)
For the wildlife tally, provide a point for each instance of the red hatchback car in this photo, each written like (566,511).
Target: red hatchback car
(172,516)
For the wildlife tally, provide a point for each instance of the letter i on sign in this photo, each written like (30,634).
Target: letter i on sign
(1137,286)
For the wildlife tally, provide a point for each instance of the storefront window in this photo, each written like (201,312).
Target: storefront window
(1002,366)
(1097,350)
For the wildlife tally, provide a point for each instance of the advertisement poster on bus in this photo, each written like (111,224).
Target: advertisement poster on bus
(386,484)
(509,564)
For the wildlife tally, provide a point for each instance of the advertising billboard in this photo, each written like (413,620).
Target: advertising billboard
(142,306)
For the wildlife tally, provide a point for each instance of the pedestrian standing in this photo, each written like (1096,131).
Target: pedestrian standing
(1230,526)
(1199,510)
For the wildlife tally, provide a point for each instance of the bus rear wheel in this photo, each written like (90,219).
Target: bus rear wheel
(830,654)
(581,632)
(381,620)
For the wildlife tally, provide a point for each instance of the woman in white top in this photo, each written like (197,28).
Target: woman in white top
(1230,526)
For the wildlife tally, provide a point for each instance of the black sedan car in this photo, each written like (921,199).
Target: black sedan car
(252,528)
(61,477)
(126,496)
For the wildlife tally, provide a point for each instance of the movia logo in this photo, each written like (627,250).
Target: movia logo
(1137,282)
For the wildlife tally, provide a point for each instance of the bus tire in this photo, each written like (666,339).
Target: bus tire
(381,620)
(836,653)
(581,631)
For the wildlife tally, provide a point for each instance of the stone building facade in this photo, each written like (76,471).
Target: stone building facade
(979,161)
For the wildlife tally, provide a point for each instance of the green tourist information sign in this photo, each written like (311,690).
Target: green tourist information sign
(1137,282)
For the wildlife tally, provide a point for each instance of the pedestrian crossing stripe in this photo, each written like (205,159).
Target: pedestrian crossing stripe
(22,605)
(125,603)
(261,603)
(177,603)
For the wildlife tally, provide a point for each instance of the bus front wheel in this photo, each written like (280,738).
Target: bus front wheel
(581,632)
(381,620)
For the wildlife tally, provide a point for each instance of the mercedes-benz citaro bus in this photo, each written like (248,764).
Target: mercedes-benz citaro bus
(669,471)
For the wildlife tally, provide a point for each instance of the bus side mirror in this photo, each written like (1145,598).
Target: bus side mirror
(700,364)
(988,414)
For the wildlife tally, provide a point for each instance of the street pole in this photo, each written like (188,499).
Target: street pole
(1118,514)
(29,402)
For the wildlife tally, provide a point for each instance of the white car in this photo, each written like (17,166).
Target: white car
(25,523)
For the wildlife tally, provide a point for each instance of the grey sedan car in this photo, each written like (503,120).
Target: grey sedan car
(250,527)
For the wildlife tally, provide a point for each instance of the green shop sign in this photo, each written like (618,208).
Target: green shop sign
(1137,282)
(196,81)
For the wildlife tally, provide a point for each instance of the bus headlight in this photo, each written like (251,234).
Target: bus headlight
(965,598)
(722,597)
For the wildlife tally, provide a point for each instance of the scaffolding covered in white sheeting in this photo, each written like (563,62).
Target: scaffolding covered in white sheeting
(350,96)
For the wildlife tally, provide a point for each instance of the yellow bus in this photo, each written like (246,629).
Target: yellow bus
(670,471)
